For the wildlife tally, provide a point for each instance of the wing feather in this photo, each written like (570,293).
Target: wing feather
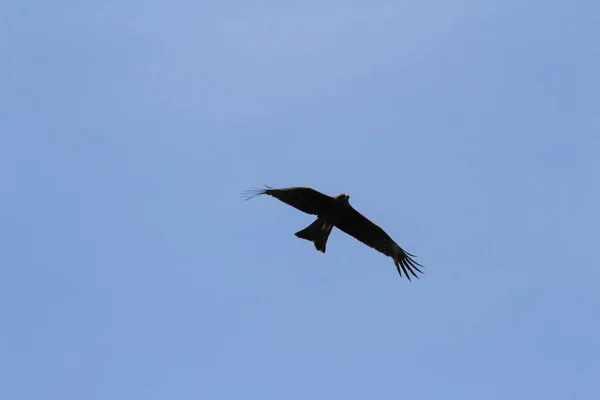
(361,228)
(305,199)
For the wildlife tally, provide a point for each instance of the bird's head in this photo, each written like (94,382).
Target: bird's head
(343,198)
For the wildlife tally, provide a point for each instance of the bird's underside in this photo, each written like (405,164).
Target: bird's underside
(337,211)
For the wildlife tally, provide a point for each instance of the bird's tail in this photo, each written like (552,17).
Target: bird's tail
(317,232)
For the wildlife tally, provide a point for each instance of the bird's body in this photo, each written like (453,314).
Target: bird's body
(337,212)
(318,232)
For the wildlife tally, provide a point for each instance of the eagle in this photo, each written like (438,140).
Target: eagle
(337,212)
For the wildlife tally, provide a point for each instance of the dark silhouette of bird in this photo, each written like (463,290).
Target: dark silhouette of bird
(337,212)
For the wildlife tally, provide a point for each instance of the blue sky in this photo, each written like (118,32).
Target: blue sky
(131,268)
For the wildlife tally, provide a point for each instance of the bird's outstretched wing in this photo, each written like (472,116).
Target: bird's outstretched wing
(304,199)
(358,226)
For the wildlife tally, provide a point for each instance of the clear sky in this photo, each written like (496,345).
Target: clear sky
(131,269)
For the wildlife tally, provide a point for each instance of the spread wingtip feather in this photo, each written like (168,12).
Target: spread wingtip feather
(254,192)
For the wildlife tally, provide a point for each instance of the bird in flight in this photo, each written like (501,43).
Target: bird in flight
(337,211)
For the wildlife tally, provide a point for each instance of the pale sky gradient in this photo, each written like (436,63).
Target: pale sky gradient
(131,269)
